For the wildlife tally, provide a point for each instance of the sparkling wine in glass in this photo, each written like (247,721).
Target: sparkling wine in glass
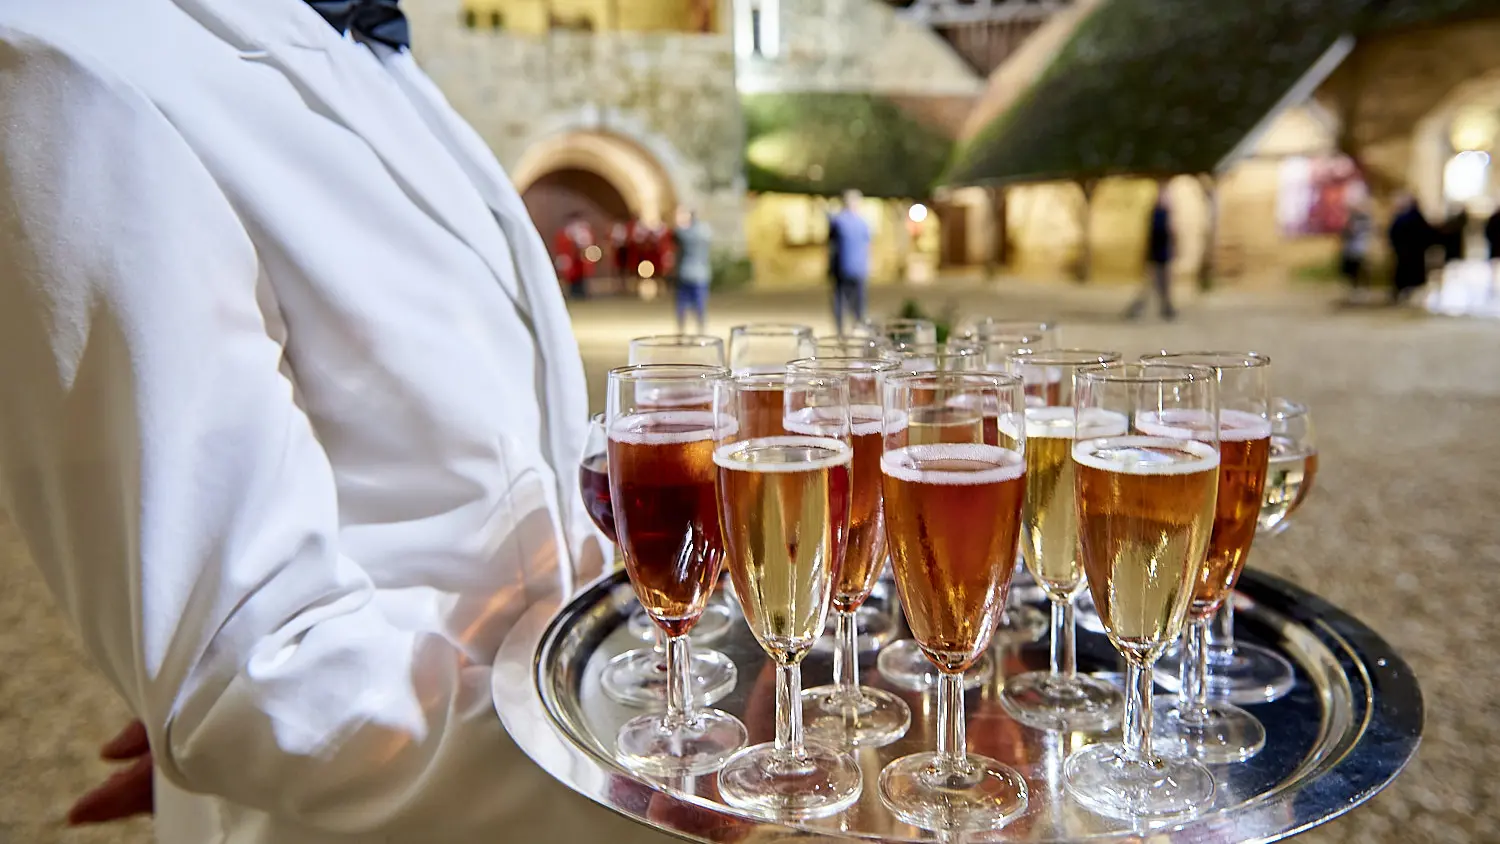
(784,503)
(1195,725)
(846,713)
(953,520)
(662,485)
(1145,507)
(1059,698)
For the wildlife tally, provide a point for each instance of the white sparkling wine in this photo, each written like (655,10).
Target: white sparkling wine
(1288,472)
(784,506)
(1049,527)
(1145,513)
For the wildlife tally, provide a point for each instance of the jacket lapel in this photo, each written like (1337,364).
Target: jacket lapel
(346,82)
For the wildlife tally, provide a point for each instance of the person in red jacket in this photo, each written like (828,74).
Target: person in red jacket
(571,251)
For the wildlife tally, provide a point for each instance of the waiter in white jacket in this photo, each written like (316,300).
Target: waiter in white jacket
(289,403)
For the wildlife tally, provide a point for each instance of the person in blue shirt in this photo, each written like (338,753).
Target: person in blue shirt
(694,268)
(849,259)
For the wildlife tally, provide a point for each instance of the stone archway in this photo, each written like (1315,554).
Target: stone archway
(558,194)
(634,174)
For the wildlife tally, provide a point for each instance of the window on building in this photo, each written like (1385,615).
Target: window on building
(757,28)
(497,20)
(471,20)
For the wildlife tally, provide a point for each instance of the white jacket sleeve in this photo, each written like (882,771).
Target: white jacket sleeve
(176,498)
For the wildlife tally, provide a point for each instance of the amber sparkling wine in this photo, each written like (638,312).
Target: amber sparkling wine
(665,511)
(953,578)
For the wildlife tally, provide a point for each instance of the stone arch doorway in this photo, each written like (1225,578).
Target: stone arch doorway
(636,176)
(557,194)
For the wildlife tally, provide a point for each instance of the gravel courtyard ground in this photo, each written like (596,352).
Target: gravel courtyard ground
(1402,530)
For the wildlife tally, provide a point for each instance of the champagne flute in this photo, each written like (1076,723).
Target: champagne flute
(1059,698)
(1033,334)
(953,518)
(1194,725)
(701,350)
(661,483)
(902,332)
(784,502)
(1239,672)
(1293,465)
(847,713)
(766,346)
(1145,504)
(845,347)
(902,662)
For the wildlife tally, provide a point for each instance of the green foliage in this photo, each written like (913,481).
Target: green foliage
(912,309)
(824,144)
(1167,87)
(730,271)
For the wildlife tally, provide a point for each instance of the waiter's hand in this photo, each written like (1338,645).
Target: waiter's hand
(128,791)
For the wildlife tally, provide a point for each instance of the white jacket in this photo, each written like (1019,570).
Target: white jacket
(288,421)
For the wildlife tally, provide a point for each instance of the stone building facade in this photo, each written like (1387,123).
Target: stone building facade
(568,91)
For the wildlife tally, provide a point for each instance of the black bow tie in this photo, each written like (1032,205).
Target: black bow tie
(367,20)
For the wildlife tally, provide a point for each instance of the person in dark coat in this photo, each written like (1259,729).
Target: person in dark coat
(1410,236)
(1455,231)
(1492,235)
(1159,250)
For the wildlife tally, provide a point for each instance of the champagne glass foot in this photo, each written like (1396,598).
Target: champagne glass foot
(904,666)
(1047,701)
(924,791)
(1244,675)
(1217,734)
(1022,625)
(857,717)
(1105,780)
(823,781)
(718,617)
(651,745)
(639,678)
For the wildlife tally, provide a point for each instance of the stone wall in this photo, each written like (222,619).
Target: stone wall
(670,95)
(857,45)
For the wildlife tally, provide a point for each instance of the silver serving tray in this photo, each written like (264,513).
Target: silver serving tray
(1346,730)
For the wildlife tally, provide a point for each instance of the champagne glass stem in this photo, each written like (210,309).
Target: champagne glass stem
(1064,642)
(1192,690)
(679,683)
(846,655)
(1221,633)
(1137,732)
(789,742)
(952,744)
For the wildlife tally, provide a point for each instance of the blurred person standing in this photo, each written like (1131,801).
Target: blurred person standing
(290,417)
(1411,236)
(1455,233)
(694,268)
(1354,243)
(571,249)
(1159,250)
(1492,235)
(849,259)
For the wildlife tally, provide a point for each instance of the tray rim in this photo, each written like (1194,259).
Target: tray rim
(1389,736)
